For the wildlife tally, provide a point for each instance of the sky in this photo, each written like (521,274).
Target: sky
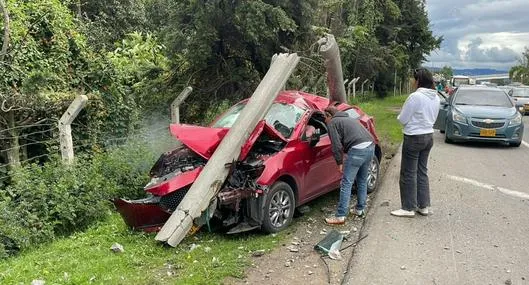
(479,33)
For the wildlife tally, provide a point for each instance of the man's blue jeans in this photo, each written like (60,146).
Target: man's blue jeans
(356,165)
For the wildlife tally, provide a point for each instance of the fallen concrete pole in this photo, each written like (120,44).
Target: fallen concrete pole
(212,177)
(333,64)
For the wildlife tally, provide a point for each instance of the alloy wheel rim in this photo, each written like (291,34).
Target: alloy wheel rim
(372,175)
(279,209)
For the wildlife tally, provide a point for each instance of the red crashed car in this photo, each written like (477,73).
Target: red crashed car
(286,162)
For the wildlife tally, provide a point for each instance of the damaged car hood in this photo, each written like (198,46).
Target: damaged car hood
(204,140)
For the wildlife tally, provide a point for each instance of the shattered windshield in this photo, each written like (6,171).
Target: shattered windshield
(283,117)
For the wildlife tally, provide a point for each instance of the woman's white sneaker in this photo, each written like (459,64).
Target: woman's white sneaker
(403,213)
(423,211)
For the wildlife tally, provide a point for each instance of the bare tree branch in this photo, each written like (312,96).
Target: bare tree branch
(5,43)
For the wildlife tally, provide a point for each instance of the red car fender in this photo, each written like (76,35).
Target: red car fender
(275,169)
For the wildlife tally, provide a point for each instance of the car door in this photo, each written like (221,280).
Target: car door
(322,172)
(444,104)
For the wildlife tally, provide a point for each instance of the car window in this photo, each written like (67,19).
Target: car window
(283,117)
(228,119)
(520,92)
(483,97)
(352,113)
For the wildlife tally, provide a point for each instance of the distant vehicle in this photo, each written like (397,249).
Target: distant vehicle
(520,96)
(458,80)
(476,113)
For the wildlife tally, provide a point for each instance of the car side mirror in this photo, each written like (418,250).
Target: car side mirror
(510,92)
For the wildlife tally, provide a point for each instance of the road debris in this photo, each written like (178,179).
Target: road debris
(293,249)
(193,246)
(403,267)
(117,248)
(258,253)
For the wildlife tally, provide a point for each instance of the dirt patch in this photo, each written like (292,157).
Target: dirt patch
(308,266)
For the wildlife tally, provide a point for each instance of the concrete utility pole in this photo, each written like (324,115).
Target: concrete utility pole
(331,53)
(212,177)
(65,128)
(175,106)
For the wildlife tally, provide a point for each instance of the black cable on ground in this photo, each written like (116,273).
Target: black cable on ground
(328,269)
(355,243)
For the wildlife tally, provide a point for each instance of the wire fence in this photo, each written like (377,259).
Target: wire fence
(36,143)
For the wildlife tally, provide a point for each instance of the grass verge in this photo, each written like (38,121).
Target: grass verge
(385,111)
(86,258)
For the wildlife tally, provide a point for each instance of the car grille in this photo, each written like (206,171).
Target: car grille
(483,125)
(171,201)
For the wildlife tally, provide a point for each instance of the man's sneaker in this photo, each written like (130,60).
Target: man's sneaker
(335,220)
(403,213)
(423,211)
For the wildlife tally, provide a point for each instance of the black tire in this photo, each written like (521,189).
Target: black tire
(447,140)
(515,144)
(373,176)
(442,131)
(278,208)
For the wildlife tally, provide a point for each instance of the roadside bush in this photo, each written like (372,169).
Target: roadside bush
(52,200)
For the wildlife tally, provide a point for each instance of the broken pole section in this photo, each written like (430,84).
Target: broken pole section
(65,128)
(212,177)
(175,106)
(333,64)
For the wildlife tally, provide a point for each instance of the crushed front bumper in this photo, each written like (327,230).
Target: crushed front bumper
(143,214)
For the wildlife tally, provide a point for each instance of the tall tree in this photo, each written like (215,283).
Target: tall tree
(520,72)
(447,72)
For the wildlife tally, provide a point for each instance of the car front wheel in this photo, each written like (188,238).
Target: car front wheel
(279,208)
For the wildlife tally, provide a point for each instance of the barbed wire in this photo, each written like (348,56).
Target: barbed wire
(23,161)
(29,126)
(32,143)
(24,135)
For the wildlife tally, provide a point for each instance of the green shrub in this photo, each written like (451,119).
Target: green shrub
(51,200)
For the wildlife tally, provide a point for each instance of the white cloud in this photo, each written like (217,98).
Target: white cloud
(486,33)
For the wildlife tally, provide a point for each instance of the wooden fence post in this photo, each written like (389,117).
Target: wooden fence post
(212,177)
(352,82)
(175,106)
(65,129)
(365,81)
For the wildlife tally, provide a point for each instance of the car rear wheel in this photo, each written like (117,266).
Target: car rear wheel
(372,175)
(279,208)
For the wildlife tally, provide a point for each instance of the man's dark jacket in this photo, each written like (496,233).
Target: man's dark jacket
(346,132)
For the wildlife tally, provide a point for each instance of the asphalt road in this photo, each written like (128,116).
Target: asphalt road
(478,232)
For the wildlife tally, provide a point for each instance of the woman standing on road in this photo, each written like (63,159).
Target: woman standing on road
(417,116)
